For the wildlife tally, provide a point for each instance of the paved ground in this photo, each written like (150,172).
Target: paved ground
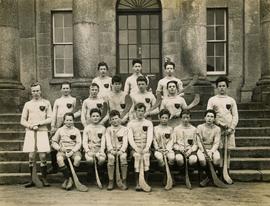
(240,194)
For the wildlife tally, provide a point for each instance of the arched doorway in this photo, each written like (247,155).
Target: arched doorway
(138,35)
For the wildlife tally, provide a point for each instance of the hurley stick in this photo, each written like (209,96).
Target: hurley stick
(97,175)
(187,180)
(142,182)
(118,175)
(226,176)
(169,183)
(35,178)
(79,186)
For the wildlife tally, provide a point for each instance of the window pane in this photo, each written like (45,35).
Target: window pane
(220,64)
(59,66)
(68,34)
(132,37)
(220,17)
(68,20)
(154,36)
(58,20)
(210,17)
(123,39)
(146,66)
(123,66)
(123,51)
(210,33)
(145,51)
(220,33)
(58,35)
(154,51)
(68,66)
(210,64)
(154,65)
(219,49)
(132,51)
(154,22)
(132,22)
(210,49)
(122,22)
(59,51)
(69,51)
(145,36)
(145,22)
(130,66)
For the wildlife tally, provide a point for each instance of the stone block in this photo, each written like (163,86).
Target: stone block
(26,17)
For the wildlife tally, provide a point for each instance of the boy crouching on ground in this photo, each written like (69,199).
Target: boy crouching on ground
(117,142)
(67,142)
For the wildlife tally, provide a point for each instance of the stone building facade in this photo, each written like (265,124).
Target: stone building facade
(52,41)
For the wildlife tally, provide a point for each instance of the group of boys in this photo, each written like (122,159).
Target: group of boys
(127,116)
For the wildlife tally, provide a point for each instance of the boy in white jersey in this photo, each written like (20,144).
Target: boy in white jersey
(103,80)
(94,101)
(163,141)
(210,135)
(174,103)
(66,103)
(94,140)
(227,115)
(67,142)
(142,96)
(119,100)
(140,138)
(36,115)
(117,143)
(131,82)
(185,140)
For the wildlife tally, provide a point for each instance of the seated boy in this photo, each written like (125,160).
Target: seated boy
(67,142)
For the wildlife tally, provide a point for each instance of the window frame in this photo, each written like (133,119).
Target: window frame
(225,42)
(54,44)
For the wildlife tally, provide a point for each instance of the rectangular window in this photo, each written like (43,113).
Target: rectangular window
(62,44)
(216,41)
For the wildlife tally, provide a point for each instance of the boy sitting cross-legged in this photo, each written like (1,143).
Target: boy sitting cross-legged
(67,142)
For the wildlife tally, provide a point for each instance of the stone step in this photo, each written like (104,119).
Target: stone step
(252,141)
(154,178)
(254,152)
(11,145)
(243,163)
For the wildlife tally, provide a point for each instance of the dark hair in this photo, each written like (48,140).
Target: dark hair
(134,61)
(114,113)
(68,83)
(164,111)
(95,110)
(169,63)
(142,79)
(222,79)
(210,111)
(185,111)
(139,105)
(70,114)
(94,85)
(116,78)
(35,84)
(172,81)
(100,64)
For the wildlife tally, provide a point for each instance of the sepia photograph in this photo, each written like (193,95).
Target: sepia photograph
(135,102)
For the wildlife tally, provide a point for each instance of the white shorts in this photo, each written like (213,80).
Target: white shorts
(43,144)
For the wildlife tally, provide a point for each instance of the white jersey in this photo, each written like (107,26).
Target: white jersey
(116,101)
(104,84)
(131,84)
(162,85)
(174,104)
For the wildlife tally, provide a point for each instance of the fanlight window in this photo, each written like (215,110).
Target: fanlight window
(138,4)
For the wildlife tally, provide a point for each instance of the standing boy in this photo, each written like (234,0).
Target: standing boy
(94,101)
(36,115)
(210,136)
(131,82)
(66,103)
(67,142)
(119,100)
(227,116)
(142,96)
(140,138)
(94,139)
(103,80)
(163,140)
(117,142)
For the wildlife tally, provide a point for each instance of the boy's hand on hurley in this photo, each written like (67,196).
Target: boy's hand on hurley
(69,154)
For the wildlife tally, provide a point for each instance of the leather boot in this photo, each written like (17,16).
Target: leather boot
(124,176)
(66,175)
(31,183)
(44,176)
(111,176)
